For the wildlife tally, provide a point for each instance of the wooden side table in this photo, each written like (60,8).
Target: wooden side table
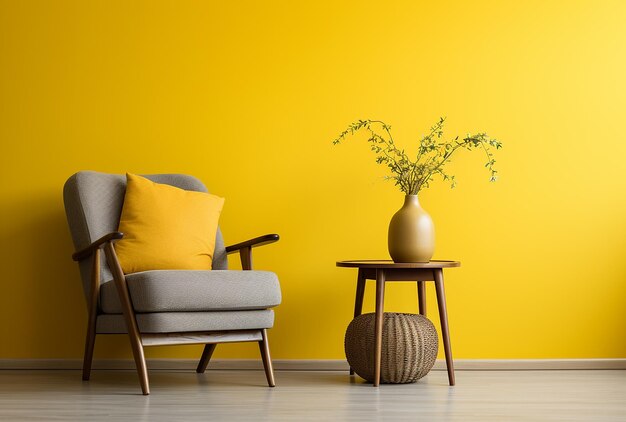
(383,271)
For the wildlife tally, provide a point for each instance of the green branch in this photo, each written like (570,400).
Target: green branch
(413,176)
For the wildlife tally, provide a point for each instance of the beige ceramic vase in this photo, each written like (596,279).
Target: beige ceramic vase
(411,233)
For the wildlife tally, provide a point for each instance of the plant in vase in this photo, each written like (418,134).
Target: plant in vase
(411,231)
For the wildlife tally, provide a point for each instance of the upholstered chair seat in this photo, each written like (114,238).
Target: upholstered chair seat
(194,291)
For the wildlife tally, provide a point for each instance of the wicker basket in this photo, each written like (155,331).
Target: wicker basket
(409,347)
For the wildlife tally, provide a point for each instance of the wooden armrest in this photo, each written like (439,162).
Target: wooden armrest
(257,241)
(85,252)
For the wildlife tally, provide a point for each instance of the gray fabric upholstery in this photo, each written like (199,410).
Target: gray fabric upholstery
(193,291)
(93,205)
(180,322)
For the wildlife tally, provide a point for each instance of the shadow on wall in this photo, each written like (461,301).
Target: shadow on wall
(44,301)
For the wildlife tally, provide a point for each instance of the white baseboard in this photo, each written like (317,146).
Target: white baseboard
(313,365)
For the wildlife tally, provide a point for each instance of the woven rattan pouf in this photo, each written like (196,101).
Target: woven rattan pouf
(409,347)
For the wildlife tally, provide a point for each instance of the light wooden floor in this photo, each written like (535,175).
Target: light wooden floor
(313,396)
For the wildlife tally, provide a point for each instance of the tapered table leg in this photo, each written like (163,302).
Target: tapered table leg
(443,318)
(358,302)
(360,292)
(421,297)
(380,297)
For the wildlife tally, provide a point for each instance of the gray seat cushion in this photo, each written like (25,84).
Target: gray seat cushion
(194,291)
(180,322)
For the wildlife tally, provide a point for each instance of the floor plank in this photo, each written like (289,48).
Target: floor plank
(312,396)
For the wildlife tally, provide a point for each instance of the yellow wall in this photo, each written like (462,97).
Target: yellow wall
(248,96)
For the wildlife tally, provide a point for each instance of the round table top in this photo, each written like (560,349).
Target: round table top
(372,263)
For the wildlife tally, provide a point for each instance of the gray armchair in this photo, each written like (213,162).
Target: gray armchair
(163,307)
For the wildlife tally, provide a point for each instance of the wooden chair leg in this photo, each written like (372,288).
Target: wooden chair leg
(129,317)
(90,339)
(90,342)
(140,362)
(206,357)
(267,360)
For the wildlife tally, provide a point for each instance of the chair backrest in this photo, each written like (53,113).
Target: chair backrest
(93,205)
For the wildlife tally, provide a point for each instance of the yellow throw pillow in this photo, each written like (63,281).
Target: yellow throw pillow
(166,228)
